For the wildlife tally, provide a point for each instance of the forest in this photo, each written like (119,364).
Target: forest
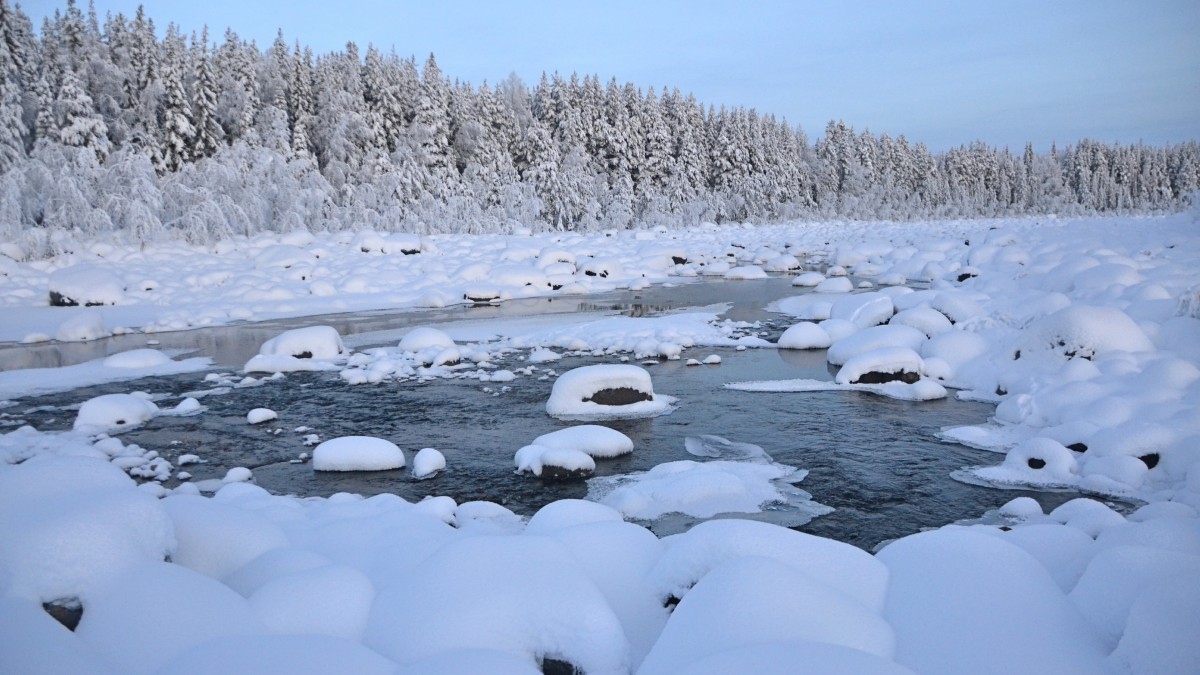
(108,130)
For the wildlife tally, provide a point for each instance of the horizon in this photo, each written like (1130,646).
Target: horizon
(1106,71)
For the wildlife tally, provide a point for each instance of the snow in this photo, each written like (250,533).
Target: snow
(804,335)
(597,441)
(1103,313)
(260,415)
(885,361)
(571,396)
(114,412)
(85,284)
(357,453)
(428,462)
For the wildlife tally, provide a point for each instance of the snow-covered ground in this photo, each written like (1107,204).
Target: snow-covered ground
(1086,335)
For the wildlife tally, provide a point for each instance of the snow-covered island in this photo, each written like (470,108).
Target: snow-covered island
(1084,333)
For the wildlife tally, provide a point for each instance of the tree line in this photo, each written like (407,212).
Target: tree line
(107,129)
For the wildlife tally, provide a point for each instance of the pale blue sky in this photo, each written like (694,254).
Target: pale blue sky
(945,72)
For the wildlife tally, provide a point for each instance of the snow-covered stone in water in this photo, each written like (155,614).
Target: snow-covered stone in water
(83,326)
(837,270)
(711,360)
(542,355)
(863,309)
(879,366)
(554,463)
(260,415)
(835,284)
(875,337)
(1038,461)
(597,441)
(609,391)
(746,272)
(428,462)
(238,474)
(313,342)
(137,358)
(804,335)
(837,329)
(782,263)
(85,285)
(357,453)
(1083,331)
(422,338)
(113,413)
(808,279)
(925,319)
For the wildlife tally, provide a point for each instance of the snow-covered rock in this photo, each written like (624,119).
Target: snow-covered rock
(357,453)
(606,392)
(85,285)
(114,413)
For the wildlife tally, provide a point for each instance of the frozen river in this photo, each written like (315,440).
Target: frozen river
(876,461)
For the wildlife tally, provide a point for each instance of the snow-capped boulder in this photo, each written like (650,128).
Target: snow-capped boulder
(88,325)
(804,335)
(112,413)
(1083,331)
(863,309)
(608,391)
(879,366)
(314,342)
(260,415)
(554,463)
(137,358)
(428,462)
(597,441)
(808,279)
(422,338)
(1038,461)
(876,337)
(357,453)
(85,285)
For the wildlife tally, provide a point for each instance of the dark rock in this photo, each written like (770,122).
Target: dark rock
(1078,447)
(303,355)
(480,299)
(553,666)
(679,260)
(874,377)
(67,611)
(619,396)
(1036,463)
(1151,460)
(59,300)
(1001,391)
(406,251)
(966,275)
(557,473)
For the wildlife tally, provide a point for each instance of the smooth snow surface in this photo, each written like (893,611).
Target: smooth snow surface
(357,453)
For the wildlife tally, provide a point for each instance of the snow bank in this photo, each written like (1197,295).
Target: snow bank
(606,392)
(357,453)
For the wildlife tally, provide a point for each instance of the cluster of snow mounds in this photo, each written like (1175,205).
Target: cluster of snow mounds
(311,348)
(571,452)
(609,391)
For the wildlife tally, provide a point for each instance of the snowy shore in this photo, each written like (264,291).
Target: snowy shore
(1084,333)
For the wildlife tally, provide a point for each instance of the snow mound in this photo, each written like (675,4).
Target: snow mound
(863,309)
(422,338)
(85,285)
(138,358)
(84,326)
(554,463)
(113,413)
(1083,331)
(72,524)
(750,600)
(597,441)
(357,453)
(608,391)
(299,349)
(804,335)
(873,338)
(878,366)
(428,462)
(260,415)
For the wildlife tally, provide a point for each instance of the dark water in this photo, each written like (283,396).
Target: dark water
(875,460)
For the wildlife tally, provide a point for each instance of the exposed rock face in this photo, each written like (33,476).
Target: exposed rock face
(873,377)
(67,611)
(619,396)
(557,473)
